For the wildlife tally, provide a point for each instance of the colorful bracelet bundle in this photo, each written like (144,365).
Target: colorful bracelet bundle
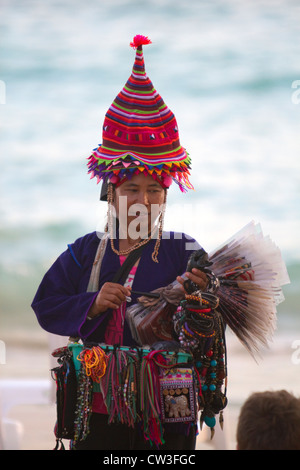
(194,321)
(94,361)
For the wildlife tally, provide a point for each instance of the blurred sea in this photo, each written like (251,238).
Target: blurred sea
(230,72)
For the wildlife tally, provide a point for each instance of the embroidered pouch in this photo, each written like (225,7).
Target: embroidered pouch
(177,395)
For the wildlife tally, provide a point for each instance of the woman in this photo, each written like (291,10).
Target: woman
(139,158)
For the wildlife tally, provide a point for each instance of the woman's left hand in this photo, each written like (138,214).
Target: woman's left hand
(196,276)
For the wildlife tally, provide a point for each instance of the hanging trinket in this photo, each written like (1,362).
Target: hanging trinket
(200,331)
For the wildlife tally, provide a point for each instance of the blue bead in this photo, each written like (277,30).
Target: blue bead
(204,388)
(211,422)
(198,364)
(213,375)
(213,363)
(212,387)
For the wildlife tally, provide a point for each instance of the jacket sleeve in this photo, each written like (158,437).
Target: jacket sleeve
(61,303)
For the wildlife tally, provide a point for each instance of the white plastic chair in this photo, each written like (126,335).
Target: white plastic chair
(14,392)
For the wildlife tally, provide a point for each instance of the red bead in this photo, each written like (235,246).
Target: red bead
(221,375)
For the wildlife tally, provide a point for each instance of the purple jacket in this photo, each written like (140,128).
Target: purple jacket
(61,303)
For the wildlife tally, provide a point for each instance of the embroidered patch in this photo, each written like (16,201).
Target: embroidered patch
(177,394)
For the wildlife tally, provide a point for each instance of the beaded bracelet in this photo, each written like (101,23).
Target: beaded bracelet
(196,297)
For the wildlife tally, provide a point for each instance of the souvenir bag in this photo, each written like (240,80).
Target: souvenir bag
(66,394)
(177,395)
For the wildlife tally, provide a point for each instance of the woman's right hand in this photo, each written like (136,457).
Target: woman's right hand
(111,295)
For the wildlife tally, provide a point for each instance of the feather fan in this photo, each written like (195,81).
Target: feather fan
(250,272)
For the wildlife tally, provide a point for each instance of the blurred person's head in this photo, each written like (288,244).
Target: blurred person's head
(269,421)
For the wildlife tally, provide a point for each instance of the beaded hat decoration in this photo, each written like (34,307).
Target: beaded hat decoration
(140,134)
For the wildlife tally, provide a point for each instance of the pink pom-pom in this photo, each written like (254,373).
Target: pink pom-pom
(114,179)
(167,181)
(140,40)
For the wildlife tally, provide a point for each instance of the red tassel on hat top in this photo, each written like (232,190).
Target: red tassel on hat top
(140,40)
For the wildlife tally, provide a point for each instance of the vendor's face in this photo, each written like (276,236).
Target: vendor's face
(142,198)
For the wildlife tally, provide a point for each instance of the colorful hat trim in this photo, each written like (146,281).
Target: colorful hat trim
(140,133)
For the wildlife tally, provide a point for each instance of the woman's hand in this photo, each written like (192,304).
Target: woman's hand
(196,276)
(111,295)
